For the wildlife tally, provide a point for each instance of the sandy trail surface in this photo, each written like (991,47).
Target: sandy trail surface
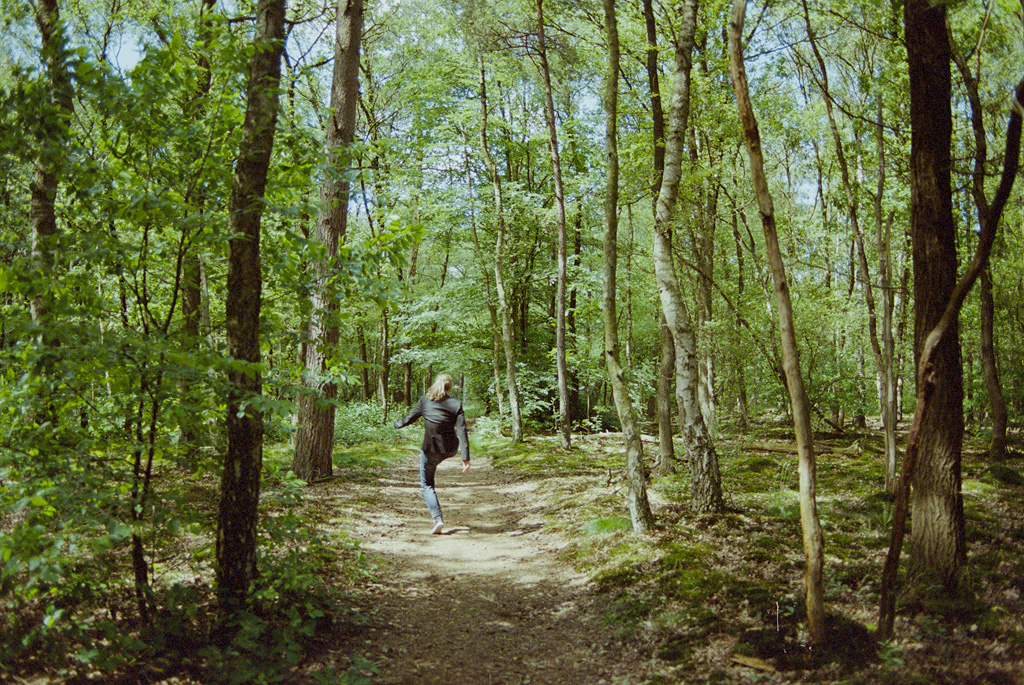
(488,601)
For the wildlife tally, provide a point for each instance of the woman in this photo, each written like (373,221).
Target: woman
(444,434)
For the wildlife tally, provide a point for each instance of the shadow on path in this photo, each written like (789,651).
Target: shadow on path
(486,602)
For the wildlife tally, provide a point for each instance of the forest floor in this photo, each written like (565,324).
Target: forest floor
(488,600)
(537,578)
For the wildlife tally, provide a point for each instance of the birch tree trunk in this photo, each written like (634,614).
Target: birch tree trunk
(639,506)
(240,480)
(812,538)
(706,480)
(314,441)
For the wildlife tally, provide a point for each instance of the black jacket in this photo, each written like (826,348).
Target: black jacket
(445,427)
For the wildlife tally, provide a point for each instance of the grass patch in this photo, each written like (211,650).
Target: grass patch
(611,524)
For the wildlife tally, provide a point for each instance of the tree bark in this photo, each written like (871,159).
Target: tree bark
(930,357)
(507,333)
(639,507)
(314,443)
(667,455)
(240,481)
(937,546)
(996,401)
(564,432)
(706,481)
(46,176)
(666,371)
(812,537)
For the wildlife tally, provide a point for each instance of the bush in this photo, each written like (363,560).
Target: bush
(360,422)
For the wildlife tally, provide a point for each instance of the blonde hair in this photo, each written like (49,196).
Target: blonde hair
(441,388)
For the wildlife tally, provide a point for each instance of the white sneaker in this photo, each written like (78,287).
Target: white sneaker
(436,530)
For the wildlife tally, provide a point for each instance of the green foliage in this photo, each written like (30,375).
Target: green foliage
(608,525)
(112,407)
(356,423)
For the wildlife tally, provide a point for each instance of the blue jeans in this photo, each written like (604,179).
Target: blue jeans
(427,469)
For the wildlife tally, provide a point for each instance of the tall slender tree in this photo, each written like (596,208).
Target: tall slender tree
(314,444)
(666,369)
(880,344)
(813,548)
(639,506)
(507,333)
(996,401)
(192,263)
(240,480)
(556,173)
(706,480)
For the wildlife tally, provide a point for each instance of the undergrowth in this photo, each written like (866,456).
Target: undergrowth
(75,617)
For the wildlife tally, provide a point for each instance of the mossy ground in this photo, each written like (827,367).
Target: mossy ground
(698,580)
(702,598)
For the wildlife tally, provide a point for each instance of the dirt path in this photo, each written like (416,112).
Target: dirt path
(486,602)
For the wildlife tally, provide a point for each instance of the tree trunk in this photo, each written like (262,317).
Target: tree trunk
(705,215)
(657,114)
(366,388)
(384,363)
(863,272)
(507,333)
(556,170)
(887,379)
(192,271)
(570,318)
(191,302)
(666,447)
(706,481)
(492,309)
(937,546)
(639,506)
(742,402)
(666,371)
(314,441)
(812,537)
(240,481)
(934,343)
(996,401)
(45,180)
